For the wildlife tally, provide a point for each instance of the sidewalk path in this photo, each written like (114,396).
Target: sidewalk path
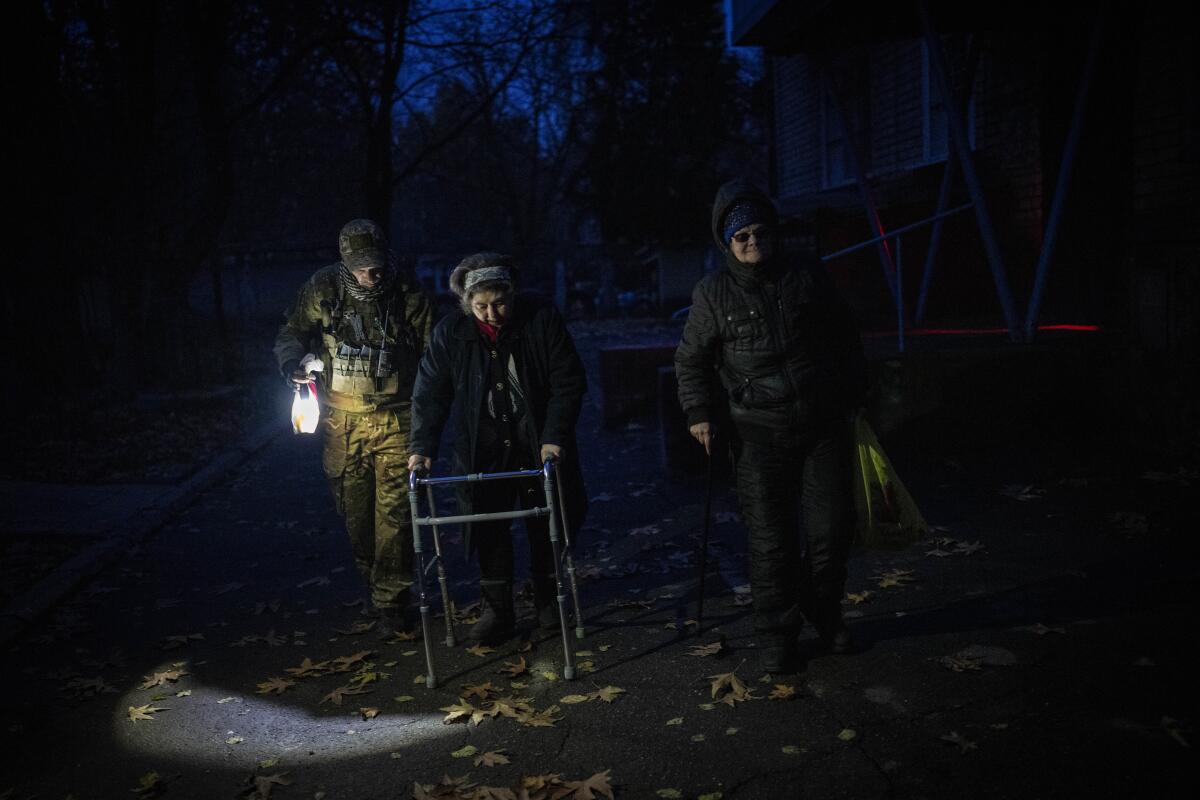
(1038,651)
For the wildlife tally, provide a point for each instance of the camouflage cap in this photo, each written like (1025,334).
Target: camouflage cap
(362,245)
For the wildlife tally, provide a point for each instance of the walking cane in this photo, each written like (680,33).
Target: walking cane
(708,490)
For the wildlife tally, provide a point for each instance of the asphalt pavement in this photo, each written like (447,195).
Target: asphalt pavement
(1035,646)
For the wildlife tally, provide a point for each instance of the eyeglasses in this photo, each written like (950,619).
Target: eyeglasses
(758,234)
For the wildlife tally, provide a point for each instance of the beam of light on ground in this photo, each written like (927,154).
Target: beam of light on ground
(197,729)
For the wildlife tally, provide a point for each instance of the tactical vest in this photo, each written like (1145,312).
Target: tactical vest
(371,351)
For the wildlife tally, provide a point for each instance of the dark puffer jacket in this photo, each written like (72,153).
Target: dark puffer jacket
(453,373)
(781,339)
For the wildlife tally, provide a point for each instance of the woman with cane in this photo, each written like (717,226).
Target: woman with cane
(507,363)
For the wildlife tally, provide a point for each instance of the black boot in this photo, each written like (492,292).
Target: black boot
(832,627)
(497,622)
(545,601)
(392,619)
(778,652)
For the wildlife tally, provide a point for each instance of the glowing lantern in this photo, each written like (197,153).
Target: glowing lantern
(305,411)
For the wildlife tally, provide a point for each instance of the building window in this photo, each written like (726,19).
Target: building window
(935,131)
(848,81)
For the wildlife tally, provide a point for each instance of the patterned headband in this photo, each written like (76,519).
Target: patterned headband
(486,275)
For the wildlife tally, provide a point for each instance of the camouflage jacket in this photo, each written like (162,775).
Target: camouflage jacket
(366,366)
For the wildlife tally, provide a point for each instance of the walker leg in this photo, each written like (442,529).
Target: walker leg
(566,532)
(568,653)
(418,551)
(441,570)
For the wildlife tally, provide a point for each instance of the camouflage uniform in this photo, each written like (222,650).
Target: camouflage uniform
(366,401)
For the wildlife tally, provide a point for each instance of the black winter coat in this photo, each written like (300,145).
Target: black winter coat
(453,373)
(781,339)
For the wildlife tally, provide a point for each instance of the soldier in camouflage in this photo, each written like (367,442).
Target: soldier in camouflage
(367,321)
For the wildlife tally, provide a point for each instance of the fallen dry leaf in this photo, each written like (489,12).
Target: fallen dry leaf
(461,710)
(894,577)
(357,628)
(596,786)
(480,650)
(466,751)
(711,649)
(728,688)
(848,734)
(482,690)
(571,699)
(858,597)
(149,785)
(275,685)
(368,713)
(147,711)
(338,694)
(514,668)
(162,678)
(261,786)
(344,663)
(309,669)
(782,691)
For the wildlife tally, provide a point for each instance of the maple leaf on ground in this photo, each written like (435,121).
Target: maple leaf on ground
(162,678)
(514,668)
(493,793)
(357,628)
(143,712)
(858,597)
(483,690)
(275,685)
(261,786)
(608,693)
(712,649)
(368,713)
(539,783)
(491,758)
(541,719)
(597,786)
(460,711)
(480,650)
(894,577)
(403,636)
(572,699)
(341,692)
(308,668)
(728,688)
(344,663)
(782,691)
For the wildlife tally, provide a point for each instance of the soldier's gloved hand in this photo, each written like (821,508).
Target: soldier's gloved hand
(419,463)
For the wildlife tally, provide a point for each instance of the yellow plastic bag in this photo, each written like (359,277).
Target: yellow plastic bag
(887,515)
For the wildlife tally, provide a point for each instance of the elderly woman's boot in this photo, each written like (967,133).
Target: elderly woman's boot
(497,621)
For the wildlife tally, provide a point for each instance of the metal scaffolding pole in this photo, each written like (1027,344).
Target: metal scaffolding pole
(860,176)
(958,136)
(1064,177)
(948,176)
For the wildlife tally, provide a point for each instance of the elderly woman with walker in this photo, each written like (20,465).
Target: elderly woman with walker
(508,365)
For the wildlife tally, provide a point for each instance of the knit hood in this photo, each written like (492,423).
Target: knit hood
(728,196)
